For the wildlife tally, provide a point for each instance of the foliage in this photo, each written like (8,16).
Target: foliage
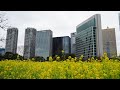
(11,56)
(63,57)
(3,26)
(58,58)
(50,59)
(81,57)
(1,57)
(39,59)
(68,69)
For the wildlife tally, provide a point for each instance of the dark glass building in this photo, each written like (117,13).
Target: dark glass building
(59,44)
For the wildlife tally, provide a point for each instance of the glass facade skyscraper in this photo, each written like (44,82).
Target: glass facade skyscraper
(89,37)
(57,46)
(66,44)
(61,43)
(43,43)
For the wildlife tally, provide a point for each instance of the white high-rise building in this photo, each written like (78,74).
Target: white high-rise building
(29,43)
(11,40)
(89,37)
(109,42)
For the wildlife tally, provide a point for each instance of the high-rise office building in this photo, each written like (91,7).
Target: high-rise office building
(109,42)
(61,43)
(43,43)
(57,46)
(89,38)
(73,45)
(11,40)
(66,44)
(29,43)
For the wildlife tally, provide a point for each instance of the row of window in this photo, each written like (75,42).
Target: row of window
(84,38)
(82,51)
(90,23)
(86,50)
(86,34)
(86,44)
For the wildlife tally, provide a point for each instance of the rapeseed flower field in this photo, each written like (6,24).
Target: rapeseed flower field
(16,69)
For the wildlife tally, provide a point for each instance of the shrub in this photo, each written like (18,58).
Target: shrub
(50,59)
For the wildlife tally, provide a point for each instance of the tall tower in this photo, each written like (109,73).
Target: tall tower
(73,44)
(66,44)
(43,43)
(89,38)
(109,42)
(11,40)
(29,43)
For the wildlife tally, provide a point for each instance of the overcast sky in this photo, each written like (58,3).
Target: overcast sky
(62,23)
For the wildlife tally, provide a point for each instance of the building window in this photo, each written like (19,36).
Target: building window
(95,54)
(94,45)
(94,28)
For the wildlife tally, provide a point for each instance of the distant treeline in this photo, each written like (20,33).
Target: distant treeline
(61,57)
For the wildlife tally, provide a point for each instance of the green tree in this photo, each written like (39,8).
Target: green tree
(39,59)
(9,55)
(1,57)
